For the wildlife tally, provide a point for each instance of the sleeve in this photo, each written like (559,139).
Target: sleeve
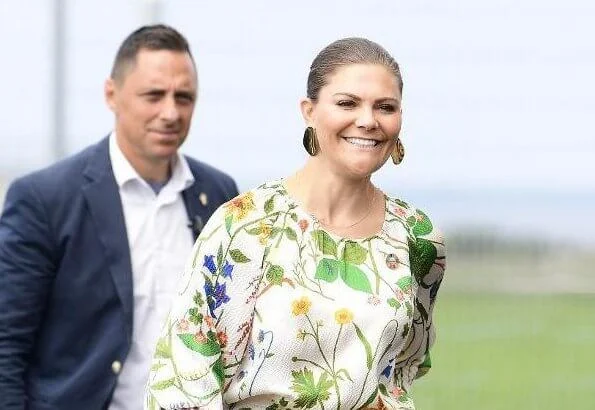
(427,258)
(27,268)
(206,334)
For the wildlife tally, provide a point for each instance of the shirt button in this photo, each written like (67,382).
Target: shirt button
(116,366)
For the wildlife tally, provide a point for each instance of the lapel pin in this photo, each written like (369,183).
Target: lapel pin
(204,200)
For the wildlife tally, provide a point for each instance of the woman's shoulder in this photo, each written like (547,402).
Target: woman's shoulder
(252,205)
(416,220)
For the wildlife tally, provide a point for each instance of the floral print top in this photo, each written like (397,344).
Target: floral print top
(274,312)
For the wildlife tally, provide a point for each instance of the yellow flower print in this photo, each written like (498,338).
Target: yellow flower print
(343,316)
(240,206)
(301,306)
(265,232)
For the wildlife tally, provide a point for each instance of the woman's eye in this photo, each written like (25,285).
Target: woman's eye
(346,103)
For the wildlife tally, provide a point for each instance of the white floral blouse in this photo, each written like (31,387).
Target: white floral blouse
(274,312)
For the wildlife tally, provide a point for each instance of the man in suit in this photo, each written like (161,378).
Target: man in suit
(92,246)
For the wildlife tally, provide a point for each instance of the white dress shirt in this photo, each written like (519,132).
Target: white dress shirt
(160,242)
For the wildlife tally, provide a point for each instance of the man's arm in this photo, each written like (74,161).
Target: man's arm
(27,268)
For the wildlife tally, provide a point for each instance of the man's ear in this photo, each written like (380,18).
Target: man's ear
(109,93)
(307,109)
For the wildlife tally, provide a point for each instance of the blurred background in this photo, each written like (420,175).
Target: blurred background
(498,128)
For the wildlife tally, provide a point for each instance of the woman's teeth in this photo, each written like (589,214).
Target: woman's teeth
(362,142)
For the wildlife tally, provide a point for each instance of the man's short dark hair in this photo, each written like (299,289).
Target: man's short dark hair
(152,37)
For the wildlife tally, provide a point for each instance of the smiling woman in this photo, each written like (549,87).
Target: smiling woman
(317,290)
(357,118)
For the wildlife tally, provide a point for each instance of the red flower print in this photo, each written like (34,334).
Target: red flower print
(303,224)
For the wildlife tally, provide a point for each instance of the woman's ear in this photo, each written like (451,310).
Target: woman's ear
(307,109)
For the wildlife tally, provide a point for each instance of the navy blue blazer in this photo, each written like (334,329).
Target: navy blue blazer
(66,296)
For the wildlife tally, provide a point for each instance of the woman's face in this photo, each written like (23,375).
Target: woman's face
(357,117)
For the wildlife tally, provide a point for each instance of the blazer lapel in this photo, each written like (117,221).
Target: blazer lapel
(103,198)
(198,214)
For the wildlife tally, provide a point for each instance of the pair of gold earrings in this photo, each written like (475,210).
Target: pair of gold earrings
(311,145)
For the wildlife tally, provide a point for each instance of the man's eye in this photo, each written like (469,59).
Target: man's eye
(388,107)
(184,99)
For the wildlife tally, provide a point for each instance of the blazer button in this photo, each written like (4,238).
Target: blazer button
(116,366)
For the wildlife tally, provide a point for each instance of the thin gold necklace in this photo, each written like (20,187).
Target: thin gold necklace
(368,212)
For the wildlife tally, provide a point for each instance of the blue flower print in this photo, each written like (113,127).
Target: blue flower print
(215,296)
(210,263)
(388,368)
(227,269)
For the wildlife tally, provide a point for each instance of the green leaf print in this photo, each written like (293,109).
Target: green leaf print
(403,398)
(290,233)
(157,366)
(163,349)
(426,364)
(328,270)
(405,283)
(409,309)
(423,225)
(354,253)
(309,392)
(164,384)
(403,204)
(209,347)
(422,254)
(220,256)
(325,243)
(355,278)
(255,231)
(269,205)
(228,222)
(195,315)
(366,344)
(275,275)
(346,373)
(392,302)
(238,256)
(219,371)
(197,298)
(275,231)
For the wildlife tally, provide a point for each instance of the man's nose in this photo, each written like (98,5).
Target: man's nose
(170,111)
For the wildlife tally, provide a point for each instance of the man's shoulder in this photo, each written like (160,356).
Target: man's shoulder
(64,173)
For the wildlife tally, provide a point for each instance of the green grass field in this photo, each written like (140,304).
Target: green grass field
(511,351)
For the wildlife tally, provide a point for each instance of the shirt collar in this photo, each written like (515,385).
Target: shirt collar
(181,176)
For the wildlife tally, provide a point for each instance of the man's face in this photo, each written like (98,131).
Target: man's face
(153,104)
